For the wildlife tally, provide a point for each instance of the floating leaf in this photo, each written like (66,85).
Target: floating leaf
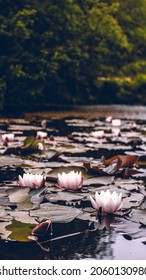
(111,169)
(4,232)
(103,180)
(10,161)
(126,160)
(121,213)
(20,196)
(29,141)
(51,154)
(4,216)
(22,127)
(138,216)
(65,196)
(19,231)
(56,213)
(22,216)
(37,195)
(134,200)
(129,227)
(31,145)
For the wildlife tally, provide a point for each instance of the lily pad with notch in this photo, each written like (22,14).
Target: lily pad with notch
(56,213)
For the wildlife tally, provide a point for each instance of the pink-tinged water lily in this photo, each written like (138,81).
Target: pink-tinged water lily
(31,181)
(8,137)
(70,181)
(42,134)
(109,119)
(109,202)
(98,134)
(116,131)
(116,122)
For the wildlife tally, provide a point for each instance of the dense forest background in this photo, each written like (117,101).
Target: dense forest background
(72,52)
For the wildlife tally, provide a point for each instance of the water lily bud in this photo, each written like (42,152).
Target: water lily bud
(116,122)
(31,181)
(42,134)
(98,134)
(109,119)
(109,202)
(8,137)
(70,181)
(40,147)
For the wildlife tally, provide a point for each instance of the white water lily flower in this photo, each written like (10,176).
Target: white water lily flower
(116,122)
(31,181)
(71,181)
(109,202)
(8,137)
(42,134)
(109,119)
(98,134)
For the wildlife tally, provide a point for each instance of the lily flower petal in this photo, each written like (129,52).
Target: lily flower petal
(71,181)
(31,181)
(109,202)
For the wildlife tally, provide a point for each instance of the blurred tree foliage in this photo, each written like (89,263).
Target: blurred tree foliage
(60,51)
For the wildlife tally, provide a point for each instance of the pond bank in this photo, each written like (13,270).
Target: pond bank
(90,112)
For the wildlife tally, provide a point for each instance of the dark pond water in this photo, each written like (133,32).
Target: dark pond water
(76,233)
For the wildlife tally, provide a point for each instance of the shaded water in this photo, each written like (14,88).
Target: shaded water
(87,245)
(118,238)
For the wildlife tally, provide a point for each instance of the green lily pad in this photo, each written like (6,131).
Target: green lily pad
(31,144)
(19,231)
(29,141)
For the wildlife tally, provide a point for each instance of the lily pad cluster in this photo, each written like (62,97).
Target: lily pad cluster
(104,159)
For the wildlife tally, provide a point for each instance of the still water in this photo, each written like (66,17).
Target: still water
(97,111)
(100,245)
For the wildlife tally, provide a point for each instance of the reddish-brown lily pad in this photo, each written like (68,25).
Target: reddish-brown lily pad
(100,171)
(126,160)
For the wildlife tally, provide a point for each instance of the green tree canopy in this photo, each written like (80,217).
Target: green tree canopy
(55,51)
